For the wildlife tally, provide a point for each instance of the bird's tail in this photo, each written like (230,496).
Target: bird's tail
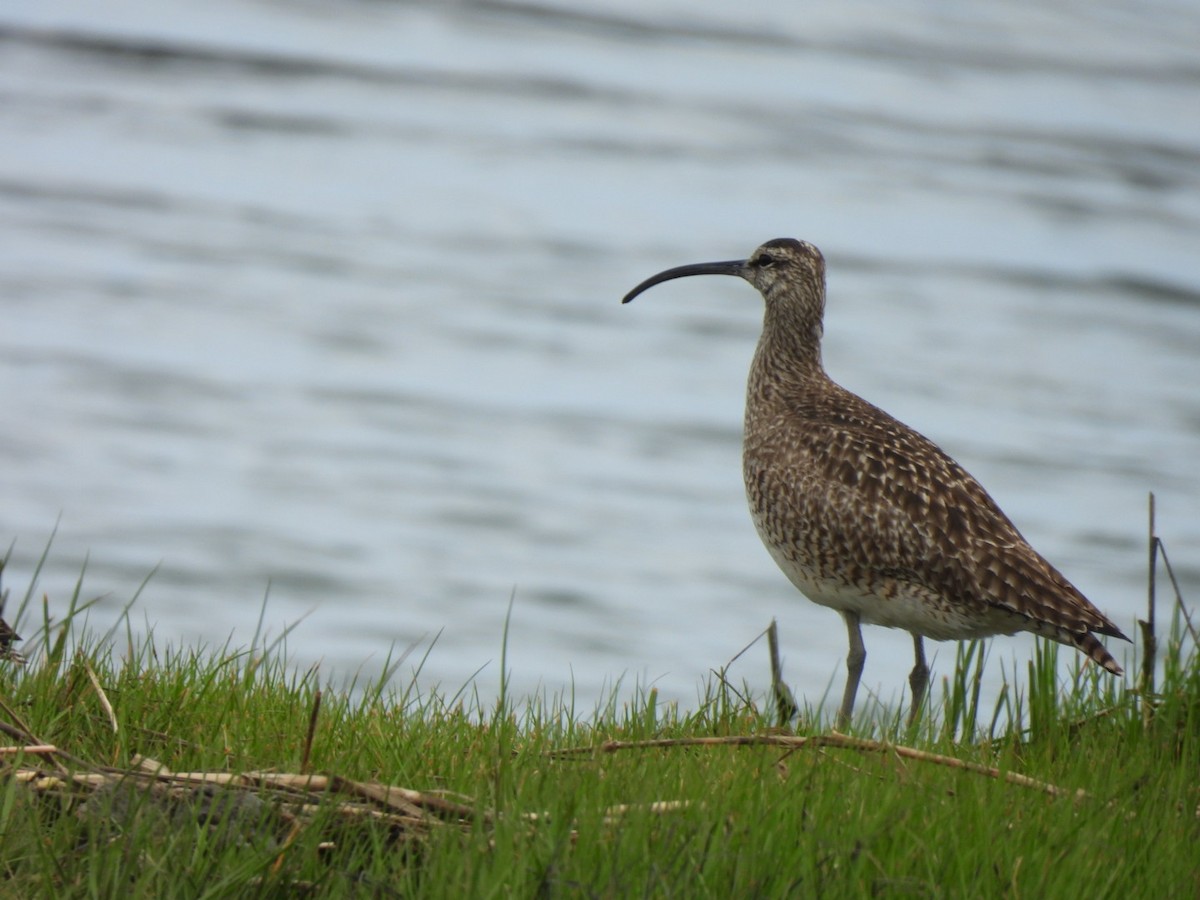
(1091,647)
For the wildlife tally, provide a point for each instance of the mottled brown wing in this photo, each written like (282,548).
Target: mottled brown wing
(936,522)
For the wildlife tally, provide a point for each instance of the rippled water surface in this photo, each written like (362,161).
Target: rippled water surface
(326,299)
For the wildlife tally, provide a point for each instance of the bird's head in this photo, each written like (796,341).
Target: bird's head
(790,275)
(785,264)
(778,268)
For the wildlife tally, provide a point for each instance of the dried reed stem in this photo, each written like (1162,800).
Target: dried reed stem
(794,742)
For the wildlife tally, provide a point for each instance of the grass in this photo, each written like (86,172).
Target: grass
(160,772)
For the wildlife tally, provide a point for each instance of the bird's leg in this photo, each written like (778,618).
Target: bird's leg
(918,680)
(855,660)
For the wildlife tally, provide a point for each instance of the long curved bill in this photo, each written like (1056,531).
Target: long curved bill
(731,267)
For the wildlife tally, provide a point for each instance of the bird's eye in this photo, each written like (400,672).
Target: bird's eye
(764,262)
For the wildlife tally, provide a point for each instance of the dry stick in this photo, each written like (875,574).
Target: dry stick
(91,674)
(293,833)
(794,742)
(301,806)
(391,795)
(614,814)
(1149,640)
(405,803)
(1187,615)
(37,749)
(312,730)
(20,731)
(785,702)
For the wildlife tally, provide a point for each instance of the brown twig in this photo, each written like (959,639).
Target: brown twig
(35,749)
(794,742)
(104,702)
(312,730)
(20,731)
(1183,609)
(413,813)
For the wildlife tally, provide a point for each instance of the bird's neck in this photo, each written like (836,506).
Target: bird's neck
(788,358)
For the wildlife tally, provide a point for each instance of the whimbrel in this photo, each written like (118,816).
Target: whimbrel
(865,515)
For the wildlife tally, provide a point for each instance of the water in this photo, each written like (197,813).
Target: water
(327,300)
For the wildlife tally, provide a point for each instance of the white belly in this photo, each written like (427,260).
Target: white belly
(899,604)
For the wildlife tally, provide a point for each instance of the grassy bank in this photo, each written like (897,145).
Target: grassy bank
(148,772)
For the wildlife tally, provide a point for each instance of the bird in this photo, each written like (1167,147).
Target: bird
(7,638)
(867,516)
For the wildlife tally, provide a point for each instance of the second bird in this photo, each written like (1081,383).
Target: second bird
(865,515)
